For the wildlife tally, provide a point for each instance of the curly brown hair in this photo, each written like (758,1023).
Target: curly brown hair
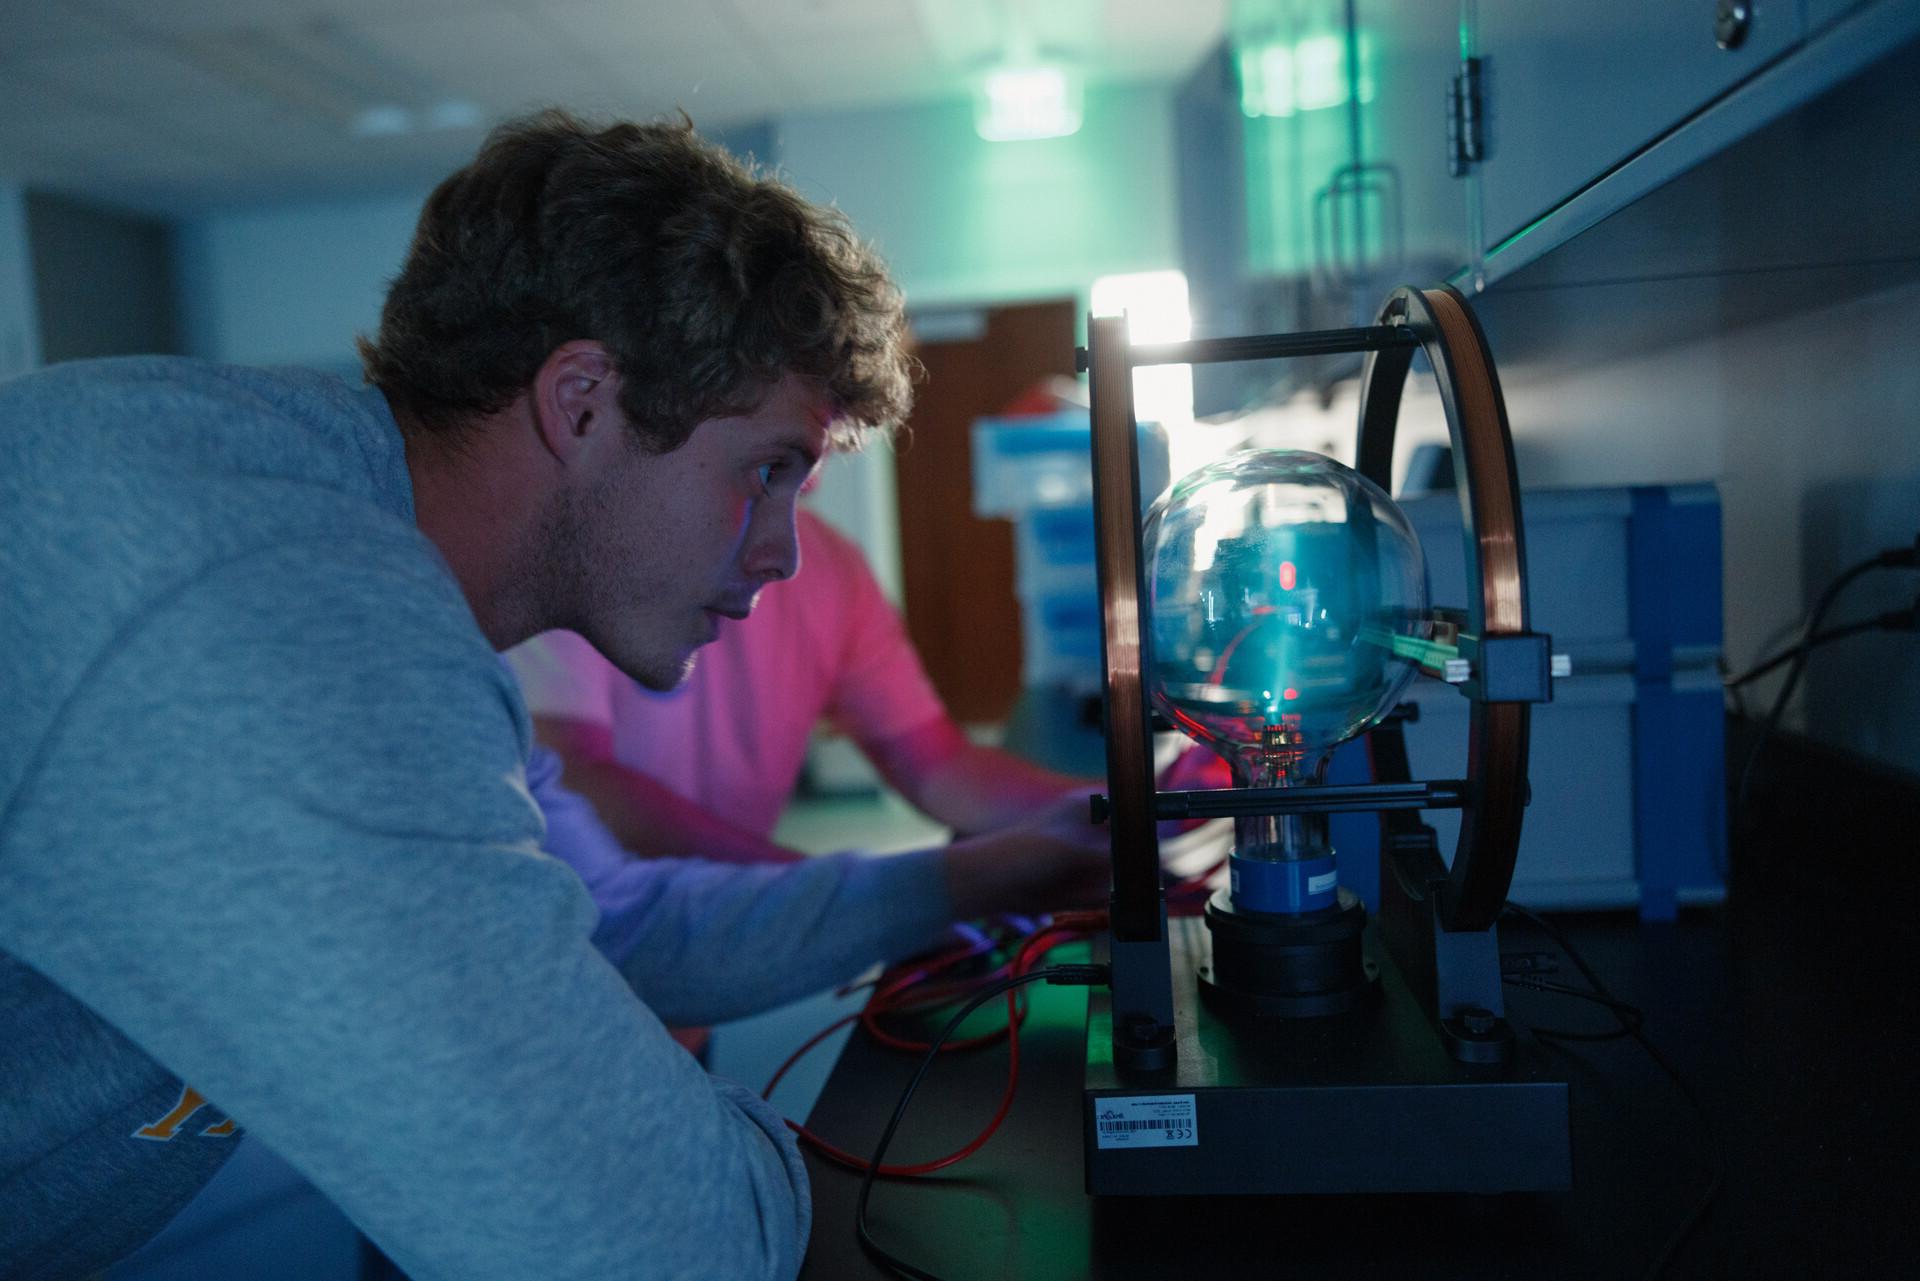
(706,279)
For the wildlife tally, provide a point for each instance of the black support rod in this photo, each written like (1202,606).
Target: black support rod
(1326,798)
(1208,351)
(1449,794)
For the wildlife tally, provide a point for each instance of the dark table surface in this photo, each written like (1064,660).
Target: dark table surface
(1787,1011)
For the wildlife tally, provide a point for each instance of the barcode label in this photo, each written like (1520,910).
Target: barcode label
(1146,1121)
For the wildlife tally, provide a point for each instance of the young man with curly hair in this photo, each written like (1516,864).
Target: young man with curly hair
(275,851)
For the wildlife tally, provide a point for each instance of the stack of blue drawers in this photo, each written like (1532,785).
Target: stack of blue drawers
(1629,796)
(1038,473)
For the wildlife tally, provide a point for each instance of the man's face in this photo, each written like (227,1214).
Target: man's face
(672,543)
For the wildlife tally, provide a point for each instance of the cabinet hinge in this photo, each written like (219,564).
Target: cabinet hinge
(1466,136)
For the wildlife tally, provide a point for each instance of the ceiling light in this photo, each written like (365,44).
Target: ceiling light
(455,113)
(390,120)
(386,121)
(1021,101)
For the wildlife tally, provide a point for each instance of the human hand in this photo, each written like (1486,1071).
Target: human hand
(1054,860)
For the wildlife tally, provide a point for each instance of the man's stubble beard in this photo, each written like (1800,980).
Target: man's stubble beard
(579,570)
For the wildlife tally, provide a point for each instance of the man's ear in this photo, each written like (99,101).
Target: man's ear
(575,398)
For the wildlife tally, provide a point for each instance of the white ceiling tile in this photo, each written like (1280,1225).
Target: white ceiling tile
(35,27)
(1064,26)
(961,33)
(496,58)
(830,75)
(854,20)
(696,62)
(178,17)
(85,147)
(1151,38)
(231,96)
(150,89)
(972,31)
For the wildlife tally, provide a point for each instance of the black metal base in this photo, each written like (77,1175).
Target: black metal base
(1367,1101)
(1297,967)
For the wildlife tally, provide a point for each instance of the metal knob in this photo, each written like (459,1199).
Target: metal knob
(1731,23)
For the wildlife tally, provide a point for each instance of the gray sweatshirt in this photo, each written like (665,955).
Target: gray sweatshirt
(272,856)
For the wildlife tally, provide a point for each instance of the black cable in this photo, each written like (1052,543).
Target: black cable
(1891,558)
(1717,1159)
(1798,648)
(1080,975)
(1629,1016)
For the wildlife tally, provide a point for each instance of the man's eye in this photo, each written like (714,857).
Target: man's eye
(765,473)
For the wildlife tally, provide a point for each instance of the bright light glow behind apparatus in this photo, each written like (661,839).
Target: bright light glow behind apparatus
(1156,308)
(1276,582)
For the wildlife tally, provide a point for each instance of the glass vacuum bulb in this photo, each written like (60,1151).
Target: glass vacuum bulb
(1276,584)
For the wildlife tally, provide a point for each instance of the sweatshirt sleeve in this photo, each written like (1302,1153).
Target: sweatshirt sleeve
(281,838)
(707,942)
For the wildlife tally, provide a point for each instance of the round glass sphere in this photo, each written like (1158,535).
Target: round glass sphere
(1281,587)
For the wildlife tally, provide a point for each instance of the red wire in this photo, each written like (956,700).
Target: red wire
(888,996)
(885,986)
(869,1020)
(801,1053)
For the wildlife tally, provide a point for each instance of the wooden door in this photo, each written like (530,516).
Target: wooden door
(957,569)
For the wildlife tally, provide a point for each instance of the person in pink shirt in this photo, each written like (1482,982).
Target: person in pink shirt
(705,769)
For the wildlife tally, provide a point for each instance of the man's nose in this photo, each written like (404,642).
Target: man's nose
(773,550)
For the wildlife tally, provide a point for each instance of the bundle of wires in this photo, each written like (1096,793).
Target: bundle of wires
(924,984)
(980,956)
(939,980)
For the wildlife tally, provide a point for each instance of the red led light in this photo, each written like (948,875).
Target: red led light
(1289,693)
(1288,576)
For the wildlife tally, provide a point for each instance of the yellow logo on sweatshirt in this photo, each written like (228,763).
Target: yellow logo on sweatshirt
(168,1126)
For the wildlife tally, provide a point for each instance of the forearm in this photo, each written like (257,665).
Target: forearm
(646,816)
(974,788)
(981,789)
(970,788)
(705,944)
(653,821)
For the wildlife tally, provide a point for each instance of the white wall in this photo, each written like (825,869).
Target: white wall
(290,284)
(19,323)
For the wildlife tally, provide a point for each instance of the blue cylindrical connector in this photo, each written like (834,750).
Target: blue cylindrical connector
(1283,885)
